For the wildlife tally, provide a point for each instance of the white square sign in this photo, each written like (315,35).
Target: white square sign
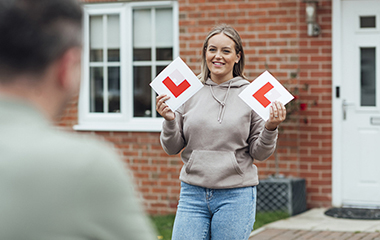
(264,90)
(177,81)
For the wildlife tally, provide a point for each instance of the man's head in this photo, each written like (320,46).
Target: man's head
(40,51)
(34,33)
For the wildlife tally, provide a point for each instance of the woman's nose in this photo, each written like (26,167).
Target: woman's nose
(218,55)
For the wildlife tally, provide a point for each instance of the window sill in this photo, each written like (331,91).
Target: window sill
(136,125)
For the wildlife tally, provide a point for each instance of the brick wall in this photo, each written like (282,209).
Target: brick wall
(315,148)
(274,36)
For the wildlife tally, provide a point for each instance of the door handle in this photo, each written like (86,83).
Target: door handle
(345,104)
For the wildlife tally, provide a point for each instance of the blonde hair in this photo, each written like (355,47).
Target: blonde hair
(230,32)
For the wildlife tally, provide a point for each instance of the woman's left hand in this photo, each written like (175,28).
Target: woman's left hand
(277,115)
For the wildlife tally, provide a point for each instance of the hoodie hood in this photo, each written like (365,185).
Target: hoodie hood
(235,82)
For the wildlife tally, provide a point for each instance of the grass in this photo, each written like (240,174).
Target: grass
(263,218)
(164,224)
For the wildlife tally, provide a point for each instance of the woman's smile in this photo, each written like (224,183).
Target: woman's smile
(221,57)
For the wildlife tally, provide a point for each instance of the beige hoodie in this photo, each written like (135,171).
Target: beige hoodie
(221,136)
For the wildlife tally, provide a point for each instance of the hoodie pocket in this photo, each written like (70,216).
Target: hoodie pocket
(213,169)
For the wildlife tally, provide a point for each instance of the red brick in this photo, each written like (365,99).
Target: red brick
(322,198)
(312,189)
(278,43)
(227,6)
(266,20)
(267,35)
(159,190)
(283,4)
(247,6)
(277,12)
(168,183)
(309,175)
(321,167)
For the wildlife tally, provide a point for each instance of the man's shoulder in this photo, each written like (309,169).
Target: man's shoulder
(81,144)
(72,151)
(83,140)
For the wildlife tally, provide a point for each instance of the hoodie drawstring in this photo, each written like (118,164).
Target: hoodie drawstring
(222,107)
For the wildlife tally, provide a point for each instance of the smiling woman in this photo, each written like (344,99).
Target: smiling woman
(221,57)
(220,137)
(233,45)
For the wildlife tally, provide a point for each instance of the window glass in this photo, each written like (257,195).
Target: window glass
(96,89)
(150,37)
(104,86)
(142,54)
(164,34)
(114,89)
(113,38)
(142,105)
(164,54)
(142,34)
(368,22)
(159,69)
(96,38)
(368,76)
(164,27)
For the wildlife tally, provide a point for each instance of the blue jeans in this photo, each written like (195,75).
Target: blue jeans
(217,214)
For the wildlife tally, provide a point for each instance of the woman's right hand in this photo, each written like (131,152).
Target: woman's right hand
(163,109)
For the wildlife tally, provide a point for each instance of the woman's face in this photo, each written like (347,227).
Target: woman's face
(221,57)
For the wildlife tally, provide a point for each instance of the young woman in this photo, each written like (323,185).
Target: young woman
(220,136)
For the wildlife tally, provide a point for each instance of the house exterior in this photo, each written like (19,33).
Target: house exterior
(331,141)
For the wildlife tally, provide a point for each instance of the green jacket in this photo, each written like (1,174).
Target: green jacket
(55,185)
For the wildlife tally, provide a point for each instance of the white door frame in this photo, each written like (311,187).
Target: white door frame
(337,183)
(337,112)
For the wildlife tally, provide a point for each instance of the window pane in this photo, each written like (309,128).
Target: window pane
(368,76)
(164,27)
(113,38)
(142,29)
(96,89)
(96,55)
(142,54)
(142,35)
(164,53)
(113,55)
(142,92)
(159,69)
(368,22)
(96,38)
(164,34)
(114,89)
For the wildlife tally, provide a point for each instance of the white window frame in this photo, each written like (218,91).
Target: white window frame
(123,121)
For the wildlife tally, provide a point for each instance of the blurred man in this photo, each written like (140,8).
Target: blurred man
(54,185)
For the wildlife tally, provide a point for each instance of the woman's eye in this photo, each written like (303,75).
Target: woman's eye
(212,50)
(226,51)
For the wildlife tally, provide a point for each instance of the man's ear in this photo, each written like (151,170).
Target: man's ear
(69,69)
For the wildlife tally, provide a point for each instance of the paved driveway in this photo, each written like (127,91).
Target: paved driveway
(314,225)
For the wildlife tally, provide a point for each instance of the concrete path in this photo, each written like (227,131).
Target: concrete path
(315,225)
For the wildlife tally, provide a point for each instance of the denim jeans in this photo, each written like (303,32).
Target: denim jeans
(217,214)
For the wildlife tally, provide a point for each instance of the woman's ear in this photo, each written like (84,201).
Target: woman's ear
(238,55)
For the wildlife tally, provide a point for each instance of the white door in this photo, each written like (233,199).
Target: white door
(360,94)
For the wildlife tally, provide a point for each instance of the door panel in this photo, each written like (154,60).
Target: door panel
(361,105)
